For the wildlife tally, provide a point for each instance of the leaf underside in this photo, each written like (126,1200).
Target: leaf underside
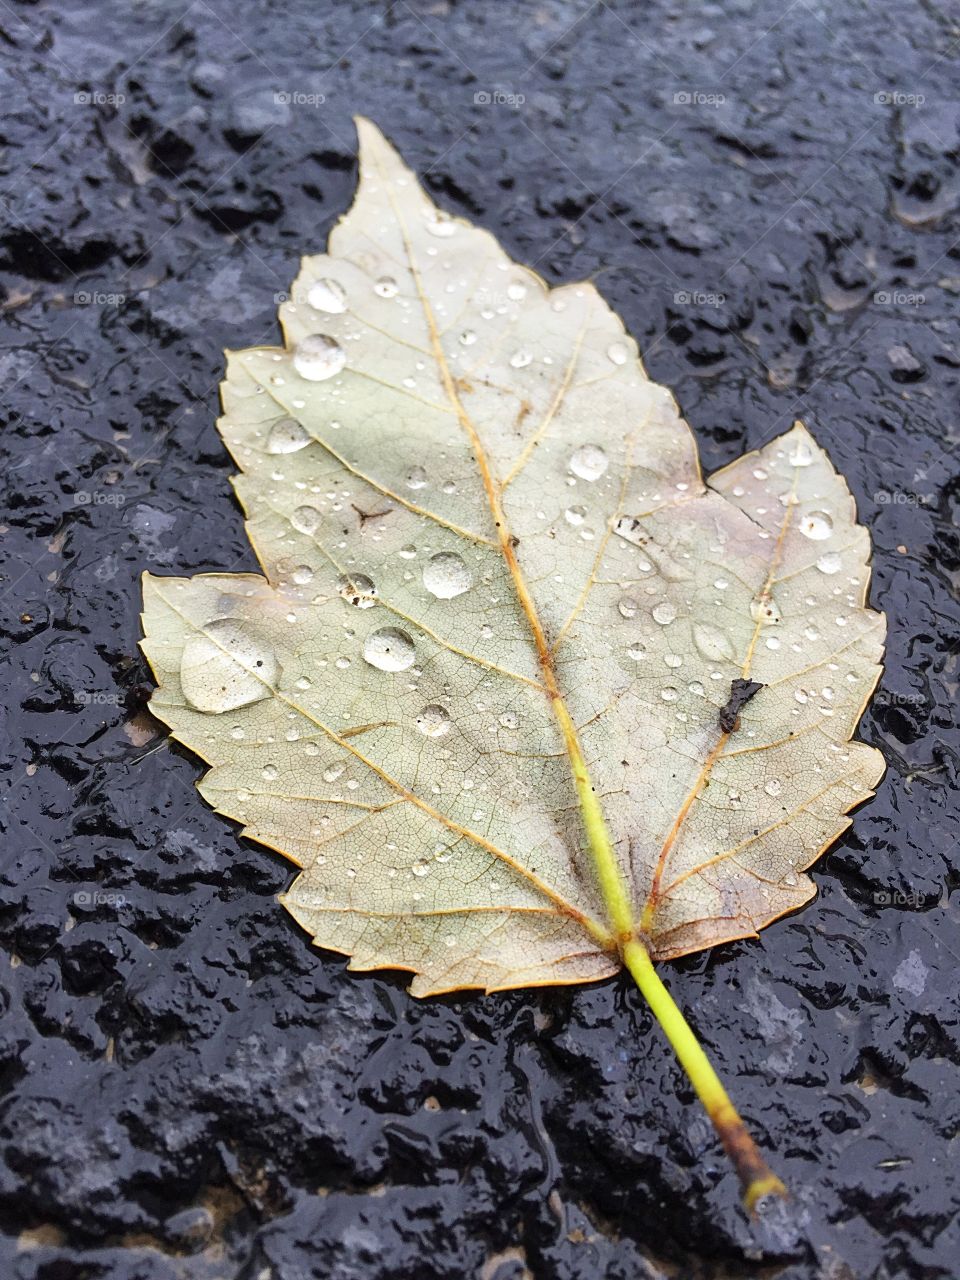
(376,707)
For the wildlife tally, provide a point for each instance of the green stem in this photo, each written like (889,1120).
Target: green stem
(757,1179)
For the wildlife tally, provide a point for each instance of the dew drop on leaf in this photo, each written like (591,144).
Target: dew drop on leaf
(628,607)
(575,515)
(305,520)
(357,589)
(816,525)
(765,610)
(333,771)
(713,643)
(226,665)
(433,721)
(287,436)
(617,353)
(389,649)
(664,613)
(520,359)
(830,563)
(416,478)
(386,287)
(318,357)
(589,462)
(327,295)
(446,575)
(801,455)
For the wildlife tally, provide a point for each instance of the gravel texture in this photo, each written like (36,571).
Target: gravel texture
(769,195)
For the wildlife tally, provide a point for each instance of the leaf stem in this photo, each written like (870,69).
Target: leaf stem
(757,1179)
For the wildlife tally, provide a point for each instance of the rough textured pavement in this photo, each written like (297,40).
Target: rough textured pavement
(769,195)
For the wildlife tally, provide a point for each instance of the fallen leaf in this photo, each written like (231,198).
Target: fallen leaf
(523,695)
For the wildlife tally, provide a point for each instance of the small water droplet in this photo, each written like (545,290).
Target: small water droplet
(467,338)
(617,353)
(333,771)
(664,613)
(714,644)
(637,651)
(287,436)
(669,693)
(389,649)
(765,610)
(227,665)
(386,287)
(446,575)
(408,552)
(801,455)
(773,787)
(420,868)
(589,462)
(510,720)
(327,295)
(416,478)
(318,356)
(516,291)
(237,733)
(302,575)
(816,525)
(269,772)
(673,660)
(357,589)
(433,721)
(305,520)
(628,607)
(441,226)
(520,359)
(832,562)
(575,515)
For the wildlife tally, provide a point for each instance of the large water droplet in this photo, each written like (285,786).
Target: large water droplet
(816,525)
(327,295)
(318,356)
(357,589)
(765,610)
(305,520)
(446,575)
(714,644)
(830,563)
(287,436)
(589,462)
(433,721)
(227,665)
(389,649)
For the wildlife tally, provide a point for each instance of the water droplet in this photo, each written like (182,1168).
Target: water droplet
(669,694)
(589,462)
(664,613)
(520,359)
(420,868)
(287,436)
(302,575)
(816,525)
(695,686)
(628,607)
(333,771)
(673,660)
(510,720)
(441,226)
(801,696)
(467,338)
(637,651)
(386,287)
(446,575)
(416,478)
(357,589)
(227,665)
(801,455)
(327,295)
(617,352)
(714,644)
(575,515)
(516,291)
(790,879)
(389,649)
(318,356)
(830,563)
(765,610)
(721,584)
(269,772)
(237,733)
(408,552)
(433,721)
(773,787)
(305,520)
